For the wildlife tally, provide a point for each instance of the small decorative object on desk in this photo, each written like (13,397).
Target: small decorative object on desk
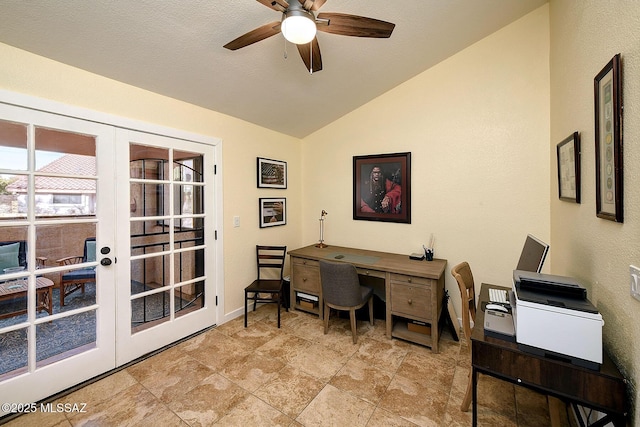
(428,251)
(321,244)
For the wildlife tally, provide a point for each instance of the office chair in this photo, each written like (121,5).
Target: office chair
(464,277)
(341,290)
(267,290)
(74,280)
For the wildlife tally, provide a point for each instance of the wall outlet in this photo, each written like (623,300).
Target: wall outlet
(634,273)
(236,221)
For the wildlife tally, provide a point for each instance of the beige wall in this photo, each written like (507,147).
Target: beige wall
(477,127)
(29,74)
(585,35)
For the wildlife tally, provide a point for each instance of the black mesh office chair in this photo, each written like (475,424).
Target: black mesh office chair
(263,289)
(341,290)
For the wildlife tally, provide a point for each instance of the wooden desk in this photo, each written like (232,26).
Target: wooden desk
(414,290)
(18,289)
(603,390)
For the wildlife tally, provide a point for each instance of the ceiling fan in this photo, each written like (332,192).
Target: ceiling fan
(299,25)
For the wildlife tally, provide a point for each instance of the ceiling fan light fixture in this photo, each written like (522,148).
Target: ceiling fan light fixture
(298,26)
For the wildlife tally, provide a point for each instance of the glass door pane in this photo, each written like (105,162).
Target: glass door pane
(51,224)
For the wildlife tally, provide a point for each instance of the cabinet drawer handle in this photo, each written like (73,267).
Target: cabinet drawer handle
(409,301)
(304,279)
(409,280)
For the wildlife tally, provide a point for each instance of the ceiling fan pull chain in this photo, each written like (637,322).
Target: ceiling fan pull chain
(285,48)
(311,59)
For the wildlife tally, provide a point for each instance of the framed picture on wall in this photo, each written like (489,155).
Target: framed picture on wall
(272,173)
(273,211)
(568,152)
(382,187)
(608,121)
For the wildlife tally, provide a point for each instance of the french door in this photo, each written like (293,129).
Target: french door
(57,177)
(166,231)
(107,247)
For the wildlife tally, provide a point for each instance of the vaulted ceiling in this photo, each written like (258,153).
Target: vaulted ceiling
(175,48)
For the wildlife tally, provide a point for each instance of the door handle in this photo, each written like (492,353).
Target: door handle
(105,261)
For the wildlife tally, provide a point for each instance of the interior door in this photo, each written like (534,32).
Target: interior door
(57,204)
(165,268)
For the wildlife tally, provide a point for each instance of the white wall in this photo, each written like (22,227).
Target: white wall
(477,127)
(585,35)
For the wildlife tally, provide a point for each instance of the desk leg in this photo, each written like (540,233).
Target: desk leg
(474,395)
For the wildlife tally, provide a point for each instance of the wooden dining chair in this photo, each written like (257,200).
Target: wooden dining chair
(464,278)
(267,288)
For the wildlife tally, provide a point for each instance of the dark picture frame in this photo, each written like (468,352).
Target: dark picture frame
(271,173)
(272,211)
(568,154)
(383,194)
(608,141)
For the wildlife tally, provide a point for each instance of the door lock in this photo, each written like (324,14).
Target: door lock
(105,261)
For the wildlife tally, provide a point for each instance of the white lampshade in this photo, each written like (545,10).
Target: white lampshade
(298,26)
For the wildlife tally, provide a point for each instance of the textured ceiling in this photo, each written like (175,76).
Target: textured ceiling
(175,48)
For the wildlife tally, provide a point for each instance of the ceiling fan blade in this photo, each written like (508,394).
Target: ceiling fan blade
(306,50)
(277,5)
(254,36)
(354,25)
(312,4)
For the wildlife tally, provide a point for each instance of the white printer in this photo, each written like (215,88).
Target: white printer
(554,318)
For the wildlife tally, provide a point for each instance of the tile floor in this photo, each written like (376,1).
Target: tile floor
(297,376)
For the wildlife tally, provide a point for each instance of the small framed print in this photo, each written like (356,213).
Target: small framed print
(382,187)
(608,122)
(272,173)
(273,212)
(568,152)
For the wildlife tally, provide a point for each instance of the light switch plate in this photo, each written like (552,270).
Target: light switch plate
(634,274)
(236,221)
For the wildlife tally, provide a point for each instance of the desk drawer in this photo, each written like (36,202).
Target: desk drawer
(411,300)
(410,279)
(306,277)
(304,261)
(371,273)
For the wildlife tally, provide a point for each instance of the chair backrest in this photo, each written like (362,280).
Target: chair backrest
(89,254)
(270,261)
(464,277)
(340,283)
(13,254)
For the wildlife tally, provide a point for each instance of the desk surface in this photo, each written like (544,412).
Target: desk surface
(603,390)
(383,261)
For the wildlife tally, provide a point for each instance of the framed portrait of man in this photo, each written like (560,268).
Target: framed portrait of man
(382,187)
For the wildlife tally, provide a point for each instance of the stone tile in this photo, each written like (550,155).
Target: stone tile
(216,349)
(172,380)
(412,401)
(40,419)
(285,347)
(256,335)
(532,408)
(100,391)
(252,370)
(382,418)
(497,396)
(333,407)
(362,380)
(254,412)
(320,362)
(433,370)
(133,406)
(387,355)
(208,401)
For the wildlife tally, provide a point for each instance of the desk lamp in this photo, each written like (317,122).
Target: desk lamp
(321,244)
